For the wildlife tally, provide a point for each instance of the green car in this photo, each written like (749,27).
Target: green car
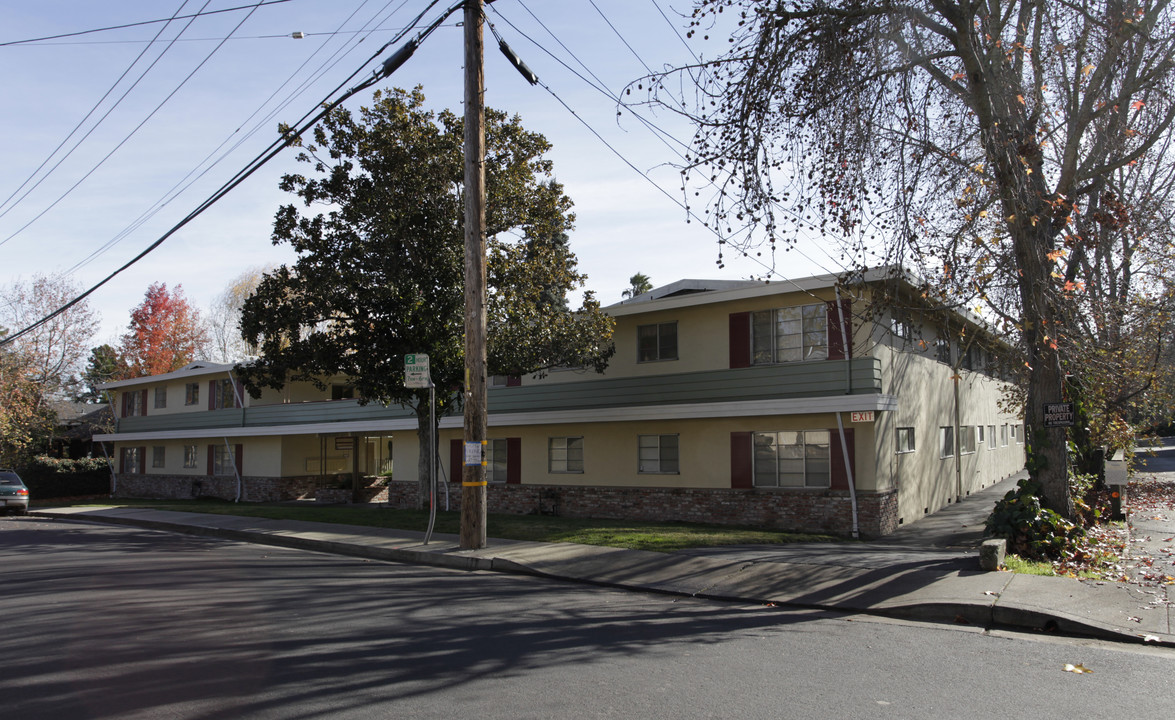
(14,496)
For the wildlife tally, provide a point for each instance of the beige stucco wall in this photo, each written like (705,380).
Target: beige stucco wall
(260,455)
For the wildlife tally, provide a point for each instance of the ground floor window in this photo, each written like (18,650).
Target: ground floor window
(792,459)
(130,460)
(190,456)
(496,455)
(222,461)
(967,439)
(565,455)
(158,456)
(657,454)
(905,440)
(991,437)
(946,442)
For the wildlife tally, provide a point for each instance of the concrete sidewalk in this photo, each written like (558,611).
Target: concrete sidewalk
(926,571)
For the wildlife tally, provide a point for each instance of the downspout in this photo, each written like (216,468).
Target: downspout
(844,446)
(233,459)
(958,442)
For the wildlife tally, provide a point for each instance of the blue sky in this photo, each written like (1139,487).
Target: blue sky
(208,96)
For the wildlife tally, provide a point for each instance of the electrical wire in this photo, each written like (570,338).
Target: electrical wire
(280,144)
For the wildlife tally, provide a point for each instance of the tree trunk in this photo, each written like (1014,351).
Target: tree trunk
(424,457)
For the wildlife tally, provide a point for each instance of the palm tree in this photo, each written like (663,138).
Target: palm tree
(639,285)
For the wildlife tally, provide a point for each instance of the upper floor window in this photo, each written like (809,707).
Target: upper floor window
(656,342)
(946,441)
(967,439)
(134,403)
(342,392)
(942,350)
(901,328)
(223,394)
(789,334)
(160,397)
(793,459)
(905,440)
(192,393)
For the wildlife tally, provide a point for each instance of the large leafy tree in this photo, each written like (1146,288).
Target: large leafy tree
(983,142)
(165,333)
(380,268)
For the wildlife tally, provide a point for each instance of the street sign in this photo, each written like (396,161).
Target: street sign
(416,371)
(861,416)
(1058,415)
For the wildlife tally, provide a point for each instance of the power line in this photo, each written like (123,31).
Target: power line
(389,66)
(143,22)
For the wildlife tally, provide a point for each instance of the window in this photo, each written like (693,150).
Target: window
(496,460)
(130,460)
(991,437)
(901,328)
(789,334)
(981,439)
(190,456)
(966,439)
(1004,435)
(134,403)
(793,459)
(656,342)
(905,438)
(946,442)
(158,456)
(565,455)
(223,394)
(160,397)
(942,351)
(222,461)
(1017,434)
(337,392)
(657,454)
(192,394)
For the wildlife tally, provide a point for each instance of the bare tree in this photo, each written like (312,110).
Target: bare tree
(968,139)
(224,317)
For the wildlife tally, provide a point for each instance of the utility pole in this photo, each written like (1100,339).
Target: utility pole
(473,481)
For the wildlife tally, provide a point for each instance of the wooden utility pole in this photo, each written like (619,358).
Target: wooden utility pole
(473,480)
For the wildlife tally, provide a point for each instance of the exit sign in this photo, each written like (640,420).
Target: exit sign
(862,416)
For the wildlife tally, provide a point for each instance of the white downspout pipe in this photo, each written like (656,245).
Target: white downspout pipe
(844,446)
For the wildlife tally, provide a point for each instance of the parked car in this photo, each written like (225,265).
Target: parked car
(14,496)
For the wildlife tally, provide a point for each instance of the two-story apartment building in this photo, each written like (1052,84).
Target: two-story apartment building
(791,405)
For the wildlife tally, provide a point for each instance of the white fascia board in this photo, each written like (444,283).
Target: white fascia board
(331,428)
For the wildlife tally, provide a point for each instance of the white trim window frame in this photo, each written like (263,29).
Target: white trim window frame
(991,439)
(656,342)
(191,456)
(658,454)
(793,459)
(905,441)
(966,439)
(790,334)
(565,455)
(946,442)
(496,455)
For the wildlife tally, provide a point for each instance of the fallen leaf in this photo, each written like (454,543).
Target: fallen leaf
(1078,668)
(991,592)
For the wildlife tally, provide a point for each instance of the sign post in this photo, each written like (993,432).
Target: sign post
(416,375)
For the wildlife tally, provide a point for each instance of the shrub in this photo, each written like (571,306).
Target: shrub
(1032,531)
(49,477)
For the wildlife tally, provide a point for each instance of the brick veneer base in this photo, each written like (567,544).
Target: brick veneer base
(253,489)
(799,510)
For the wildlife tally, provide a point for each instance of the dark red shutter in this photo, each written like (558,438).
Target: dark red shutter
(514,460)
(143,402)
(122,460)
(238,458)
(211,459)
(456,465)
(840,478)
(513,380)
(211,394)
(742,459)
(740,340)
(238,399)
(124,397)
(143,460)
(837,349)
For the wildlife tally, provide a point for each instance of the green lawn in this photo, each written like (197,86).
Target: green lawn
(664,537)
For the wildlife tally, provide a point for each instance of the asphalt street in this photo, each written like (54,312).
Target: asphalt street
(116,622)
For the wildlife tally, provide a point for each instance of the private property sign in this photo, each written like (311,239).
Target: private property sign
(1058,414)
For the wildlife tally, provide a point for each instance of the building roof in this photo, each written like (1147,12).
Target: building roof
(191,370)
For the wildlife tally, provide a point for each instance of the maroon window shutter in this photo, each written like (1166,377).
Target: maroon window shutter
(125,395)
(837,349)
(740,340)
(742,459)
(238,455)
(122,460)
(211,458)
(513,460)
(456,466)
(143,460)
(513,380)
(211,394)
(143,402)
(840,478)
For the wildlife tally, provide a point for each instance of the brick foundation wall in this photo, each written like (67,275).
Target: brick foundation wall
(797,510)
(253,489)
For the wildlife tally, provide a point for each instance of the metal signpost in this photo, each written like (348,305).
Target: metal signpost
(416,376)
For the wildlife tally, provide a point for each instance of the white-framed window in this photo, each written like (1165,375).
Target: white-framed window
(1017,433)
(160,397)
(966,439)
(130,460)
(981,438)
(946,442)
(191,456)
(905,440)
(134,403)
(224,394)
(657,454)
(192,393)
(901,328)
(789,334)
(656,342)
(793,459)
(991,441)
(158,456)
(942,350)
(222,460)
(1004,435)
(565,454)
(496,460)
